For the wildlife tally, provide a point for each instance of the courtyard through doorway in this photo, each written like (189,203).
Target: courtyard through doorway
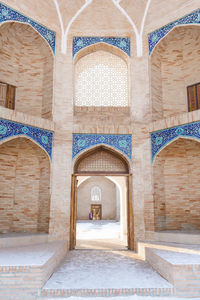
(101,212)
(101,202)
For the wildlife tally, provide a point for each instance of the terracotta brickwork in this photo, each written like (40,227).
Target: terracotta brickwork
(101,18)
(174,66)
(27,63)
(176,186)
(24,187)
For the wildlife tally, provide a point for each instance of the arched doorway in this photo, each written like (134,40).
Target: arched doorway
(102,164)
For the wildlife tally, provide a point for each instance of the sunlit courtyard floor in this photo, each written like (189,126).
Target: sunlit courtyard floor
(99,234)
(95,269)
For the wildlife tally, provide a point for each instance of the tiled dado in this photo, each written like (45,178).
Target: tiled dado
(44,138)
(157,35)
(161,138)
(80,42)
(8,14)
(121,142)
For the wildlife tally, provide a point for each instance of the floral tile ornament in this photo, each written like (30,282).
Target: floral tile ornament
(8,14)
(80,42)
(42,137)
(161,138)
(122,142)
(157,35)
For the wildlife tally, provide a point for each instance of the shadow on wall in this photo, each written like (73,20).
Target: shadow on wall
(24,187)
(26,64)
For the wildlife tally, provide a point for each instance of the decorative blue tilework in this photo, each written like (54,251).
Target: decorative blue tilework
(159,139)
(8,15)
(122,142)
(43,137)
(156,36)
(80,42)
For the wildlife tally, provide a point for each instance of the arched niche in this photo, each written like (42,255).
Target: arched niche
(176,173)
(101,79)
(24,187)
(101,160)
(26,63)
(174,65)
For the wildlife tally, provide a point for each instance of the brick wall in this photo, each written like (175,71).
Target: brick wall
(174,66)
(176,186)
(24,187)
(27,63)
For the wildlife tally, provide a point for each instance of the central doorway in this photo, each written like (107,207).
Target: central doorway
(101,201)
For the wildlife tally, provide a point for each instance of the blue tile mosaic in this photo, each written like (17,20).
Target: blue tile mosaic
(43,137)
(156,36)
(8,14)
(159,139)
(80,42)
(122,142)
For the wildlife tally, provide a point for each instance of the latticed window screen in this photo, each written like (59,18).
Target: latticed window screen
(102,161)
(96,194)
(101,80)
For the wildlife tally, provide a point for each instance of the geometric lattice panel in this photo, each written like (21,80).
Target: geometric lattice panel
(41,136)
(121,142)
(159,139)
(157,35)
(101,79)
(9,14)
(101,161)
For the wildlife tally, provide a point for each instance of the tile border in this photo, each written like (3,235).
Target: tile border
(80,42)
(155,36)
(8,14)
(10,129)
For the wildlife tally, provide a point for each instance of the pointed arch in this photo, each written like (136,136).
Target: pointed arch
(24,186)
(119,164)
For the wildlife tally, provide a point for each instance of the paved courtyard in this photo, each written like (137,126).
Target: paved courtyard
(99,234)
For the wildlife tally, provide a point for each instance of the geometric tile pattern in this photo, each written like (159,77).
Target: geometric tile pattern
(43,137)
(156,36)
(80,42)
(9,14)
(159,139)
(122,142)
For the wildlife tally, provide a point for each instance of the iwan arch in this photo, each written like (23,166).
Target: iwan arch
(99,89)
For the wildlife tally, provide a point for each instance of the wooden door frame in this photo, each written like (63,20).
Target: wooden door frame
(73,215)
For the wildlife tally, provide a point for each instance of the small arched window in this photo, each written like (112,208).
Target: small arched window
(96,194)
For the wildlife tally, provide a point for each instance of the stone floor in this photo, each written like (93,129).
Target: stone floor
(92,269)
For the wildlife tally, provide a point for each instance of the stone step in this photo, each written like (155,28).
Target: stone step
(26,269)
(180,269)
(100,273)
(107,292)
